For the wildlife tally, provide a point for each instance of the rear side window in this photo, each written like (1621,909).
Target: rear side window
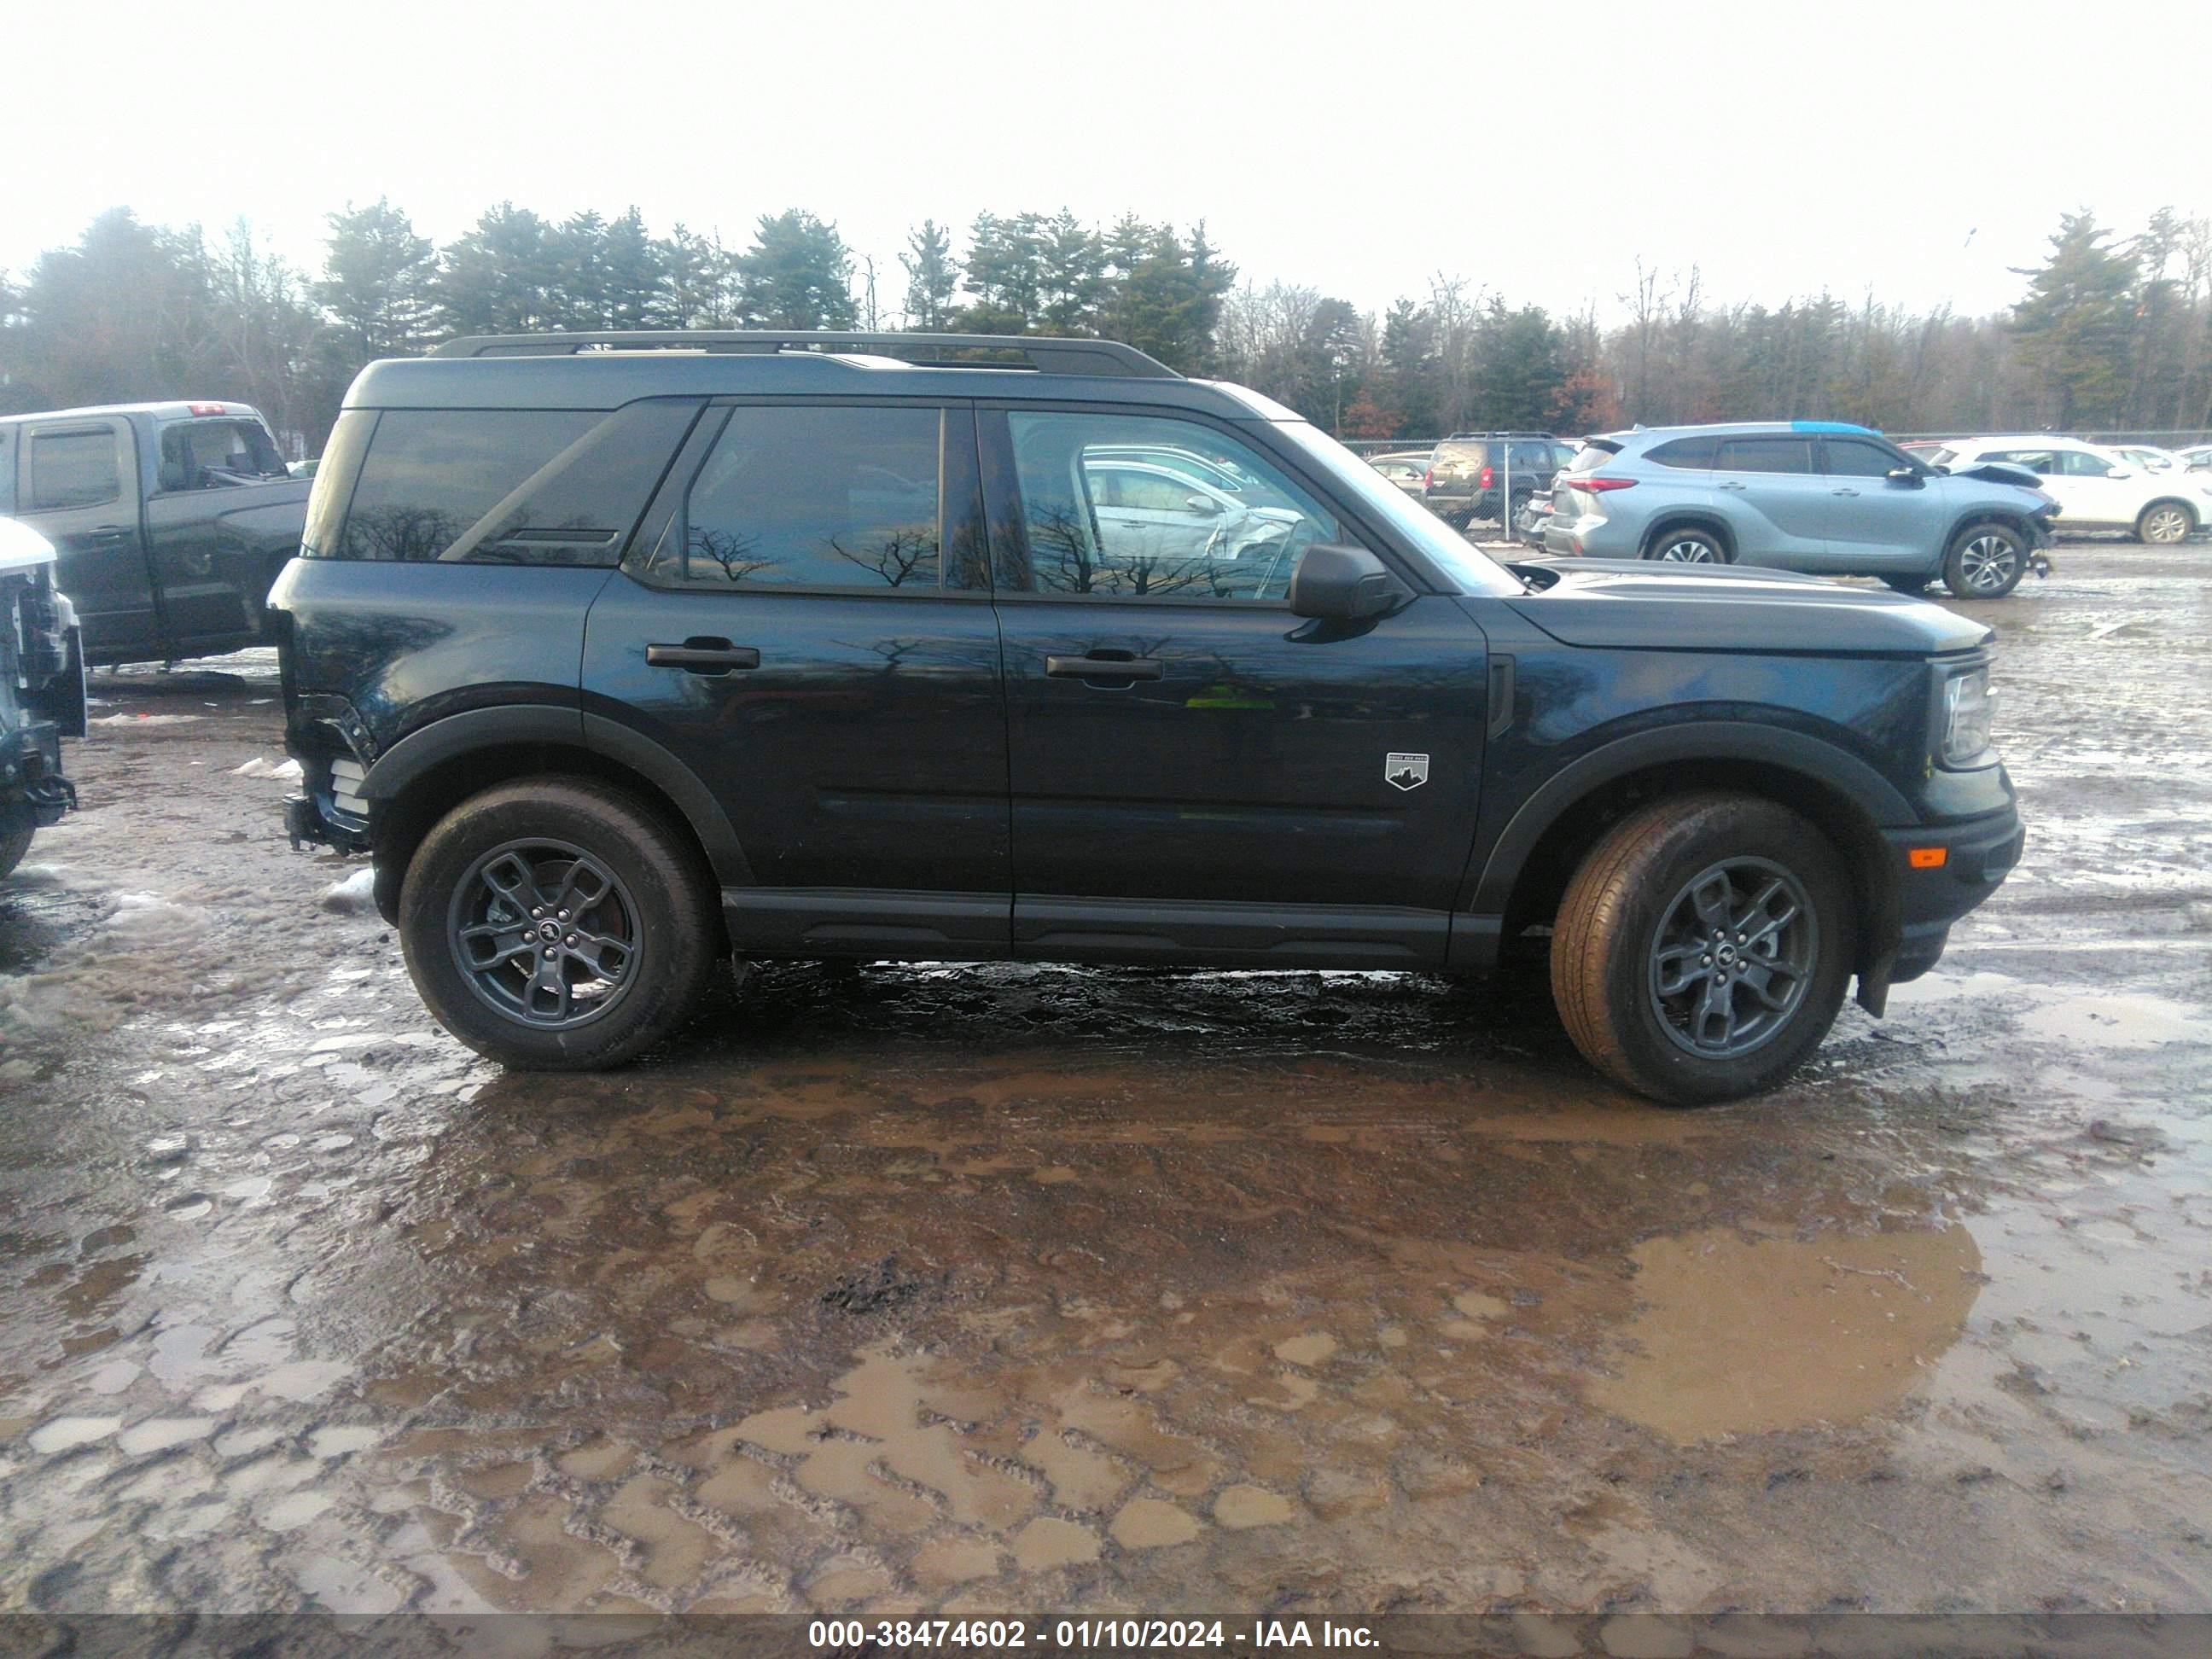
(79,466)
(1764,455)
(841,496)
(1696,453)
(430,474)
(212,455)
(1593,454)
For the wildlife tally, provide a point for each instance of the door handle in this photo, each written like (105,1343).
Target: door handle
(1843,492)
(107,535)
(1104,668)
(703,656)
(1733,483)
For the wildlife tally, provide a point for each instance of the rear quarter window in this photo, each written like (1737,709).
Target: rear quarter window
(1691,452)
(502,486)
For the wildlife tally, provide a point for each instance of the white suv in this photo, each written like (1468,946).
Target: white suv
(2096,487)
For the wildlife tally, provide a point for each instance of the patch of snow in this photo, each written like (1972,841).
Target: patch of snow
(357,892)
(289,770)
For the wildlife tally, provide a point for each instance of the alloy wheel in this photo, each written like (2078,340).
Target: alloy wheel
(545,933)
(2165,525)
(1989,563)
(1690,550)
(1733,957)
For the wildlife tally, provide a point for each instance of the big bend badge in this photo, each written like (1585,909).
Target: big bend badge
(1406,771)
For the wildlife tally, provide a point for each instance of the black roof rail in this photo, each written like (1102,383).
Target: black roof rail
(1049,354)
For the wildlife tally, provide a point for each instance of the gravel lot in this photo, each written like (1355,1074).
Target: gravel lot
(1021,1287)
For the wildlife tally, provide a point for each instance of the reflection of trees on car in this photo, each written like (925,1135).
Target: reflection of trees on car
(1063,560)
(734,553)
(903,552)
(406,533)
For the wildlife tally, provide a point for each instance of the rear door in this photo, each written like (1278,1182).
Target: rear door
(1196,773)
(805,622)
(76,484)
(1776,504)
(209,470)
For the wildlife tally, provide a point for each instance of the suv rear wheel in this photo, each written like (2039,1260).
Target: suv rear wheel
(1702,948)
(1687,545)
(1985,561)
(12,848)
(556,924)
(2162,523)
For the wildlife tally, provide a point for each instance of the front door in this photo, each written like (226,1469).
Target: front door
(1777,505)
(1877,523)
(1196,773)
(77,485)
(806,624)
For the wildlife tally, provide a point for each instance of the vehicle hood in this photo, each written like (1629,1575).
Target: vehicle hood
(1632,604)
(23,548)
(2001,472)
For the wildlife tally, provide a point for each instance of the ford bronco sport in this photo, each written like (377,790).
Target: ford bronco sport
(622,653)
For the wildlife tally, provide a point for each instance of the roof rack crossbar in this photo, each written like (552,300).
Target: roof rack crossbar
(1049,354)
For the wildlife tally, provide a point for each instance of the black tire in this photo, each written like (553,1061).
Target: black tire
(2165,524)
(12,848)
(1915,585)
(1620,927)
(1985,561)
(1688,545)
(498,867)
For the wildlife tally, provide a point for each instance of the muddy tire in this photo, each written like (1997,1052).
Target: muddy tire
(1687,545)
(2165,523)
(1985,561)
(12,848)
(556,924)
(1701,949)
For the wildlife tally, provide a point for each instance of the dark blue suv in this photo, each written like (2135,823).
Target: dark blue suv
(621,653)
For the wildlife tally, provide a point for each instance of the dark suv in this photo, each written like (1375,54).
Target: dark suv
(624,653)
(1468,471)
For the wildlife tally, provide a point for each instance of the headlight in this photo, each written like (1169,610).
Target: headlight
(1967,702)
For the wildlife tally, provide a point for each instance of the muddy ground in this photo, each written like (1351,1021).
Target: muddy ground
(1024,1287)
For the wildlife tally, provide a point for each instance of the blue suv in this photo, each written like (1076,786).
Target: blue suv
(1823,496)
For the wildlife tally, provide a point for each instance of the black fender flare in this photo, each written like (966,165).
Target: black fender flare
(1689,518)
(1695,740)
(454,736)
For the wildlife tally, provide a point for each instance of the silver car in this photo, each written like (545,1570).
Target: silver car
(1823,496)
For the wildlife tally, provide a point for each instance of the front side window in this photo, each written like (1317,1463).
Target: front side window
(1852,458)
(840,497)
(78,466)
(1764,455)
(1097,522)
(2039,461)
(2081,463)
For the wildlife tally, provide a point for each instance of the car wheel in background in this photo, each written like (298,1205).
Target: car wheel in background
(12,848)
(1701,951)
(1687,546)
(1985,561)
(556,924)
(2162,523)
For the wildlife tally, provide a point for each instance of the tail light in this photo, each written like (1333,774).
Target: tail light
(1598,486)
(1489,480)
(1428,479)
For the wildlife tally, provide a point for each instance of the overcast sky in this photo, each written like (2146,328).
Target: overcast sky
(1539,150)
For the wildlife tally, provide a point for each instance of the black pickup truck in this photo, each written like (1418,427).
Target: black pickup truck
(171,520)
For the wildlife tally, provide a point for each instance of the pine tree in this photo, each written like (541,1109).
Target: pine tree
(932,276)
(376,280)
(797,274)
(501,277)
(2073,328)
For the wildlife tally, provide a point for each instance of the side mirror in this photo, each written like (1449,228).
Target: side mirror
(1343,584)
(1205,506)
(1904,475)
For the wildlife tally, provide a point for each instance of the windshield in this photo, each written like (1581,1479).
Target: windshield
(1475,571)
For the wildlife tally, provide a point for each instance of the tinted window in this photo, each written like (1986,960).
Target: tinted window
(2080,463)
(79,468)
(1562,454)
(1696,453)
(1764,455)
(1076,542)
(212,454)
(1592,456)
(1529,458)
(820,497)
(431,474)
(1852,458)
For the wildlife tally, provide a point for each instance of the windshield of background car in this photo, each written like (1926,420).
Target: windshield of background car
(1474,570)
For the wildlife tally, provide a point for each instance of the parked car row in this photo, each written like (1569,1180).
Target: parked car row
(2154,493)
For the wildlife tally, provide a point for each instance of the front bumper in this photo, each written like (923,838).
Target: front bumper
(1976,854)
(33,793)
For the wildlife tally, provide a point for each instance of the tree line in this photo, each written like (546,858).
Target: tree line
(2111,331)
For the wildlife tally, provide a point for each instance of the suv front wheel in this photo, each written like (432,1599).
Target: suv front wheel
(1701,951)
(1985,561)
(556,924)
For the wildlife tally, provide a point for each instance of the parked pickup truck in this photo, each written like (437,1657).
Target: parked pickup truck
(41,691)
(171,520)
